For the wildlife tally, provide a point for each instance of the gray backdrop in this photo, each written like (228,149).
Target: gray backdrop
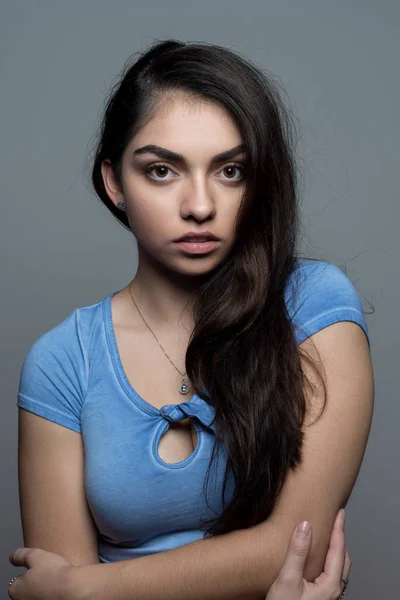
(60,248)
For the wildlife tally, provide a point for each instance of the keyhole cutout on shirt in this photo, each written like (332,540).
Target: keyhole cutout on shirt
(178,442)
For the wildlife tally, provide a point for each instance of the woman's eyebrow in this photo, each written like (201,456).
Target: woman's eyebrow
(169,155)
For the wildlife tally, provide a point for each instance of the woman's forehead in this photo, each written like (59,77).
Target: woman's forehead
(190,129)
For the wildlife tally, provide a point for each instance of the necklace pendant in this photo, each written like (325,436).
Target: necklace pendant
(184,388)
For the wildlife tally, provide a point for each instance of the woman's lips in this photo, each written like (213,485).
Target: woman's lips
(198,247)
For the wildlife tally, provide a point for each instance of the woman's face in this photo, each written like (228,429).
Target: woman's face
(168,196)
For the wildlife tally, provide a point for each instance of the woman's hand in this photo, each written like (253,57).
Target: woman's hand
(47,577)
(329,585)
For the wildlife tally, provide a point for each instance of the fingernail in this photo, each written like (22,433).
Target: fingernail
(303,530)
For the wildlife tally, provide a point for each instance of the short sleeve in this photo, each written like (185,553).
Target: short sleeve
(53,378)
(319,294)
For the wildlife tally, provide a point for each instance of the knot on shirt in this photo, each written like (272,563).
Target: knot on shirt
(198,409)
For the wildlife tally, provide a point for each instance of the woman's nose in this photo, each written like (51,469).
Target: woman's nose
(198,200)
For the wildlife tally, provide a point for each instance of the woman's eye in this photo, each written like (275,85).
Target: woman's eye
(161,169)
(233,168)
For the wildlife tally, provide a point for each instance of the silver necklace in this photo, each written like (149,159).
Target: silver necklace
(184,388)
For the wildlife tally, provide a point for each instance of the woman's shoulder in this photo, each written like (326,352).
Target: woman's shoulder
(73,330)
(65,346)
(318,294)
(54,375)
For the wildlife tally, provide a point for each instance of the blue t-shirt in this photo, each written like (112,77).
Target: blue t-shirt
(73,375)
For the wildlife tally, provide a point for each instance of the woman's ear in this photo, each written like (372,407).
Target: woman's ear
(110,181)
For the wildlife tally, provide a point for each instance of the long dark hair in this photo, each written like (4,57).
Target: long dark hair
(243,357)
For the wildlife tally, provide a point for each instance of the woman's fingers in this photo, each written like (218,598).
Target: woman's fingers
(335,558)
(297,553)
(347,566)
(32,557)
(289,583)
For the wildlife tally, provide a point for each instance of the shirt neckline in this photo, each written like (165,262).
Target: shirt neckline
(126,385)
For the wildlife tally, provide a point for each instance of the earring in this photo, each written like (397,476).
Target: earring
(120,204)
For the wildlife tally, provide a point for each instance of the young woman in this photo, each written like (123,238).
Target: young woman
(193,418)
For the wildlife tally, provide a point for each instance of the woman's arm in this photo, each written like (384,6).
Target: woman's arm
(54,512)
(242,565)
